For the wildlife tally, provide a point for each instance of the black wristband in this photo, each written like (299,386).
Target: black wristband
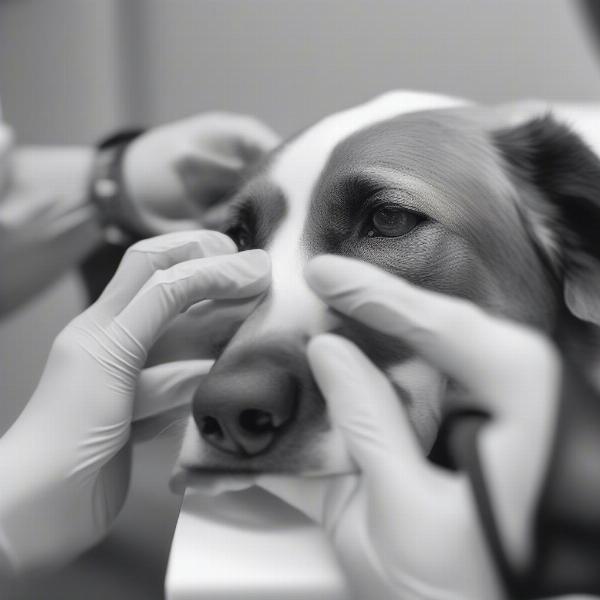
(106,189)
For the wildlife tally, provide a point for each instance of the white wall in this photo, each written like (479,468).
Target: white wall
(292,61)
(71,69)
(61,75)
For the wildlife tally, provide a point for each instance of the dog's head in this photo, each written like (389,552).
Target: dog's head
(436,191)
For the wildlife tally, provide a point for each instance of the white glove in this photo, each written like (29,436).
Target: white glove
(175,172)
(404,528)
(64,464)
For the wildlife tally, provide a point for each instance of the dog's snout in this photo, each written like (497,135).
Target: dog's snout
(243,412)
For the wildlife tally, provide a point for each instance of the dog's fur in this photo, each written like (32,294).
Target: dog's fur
(509,217)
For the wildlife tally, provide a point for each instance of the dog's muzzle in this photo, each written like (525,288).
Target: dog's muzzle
(242,412)
(256,395)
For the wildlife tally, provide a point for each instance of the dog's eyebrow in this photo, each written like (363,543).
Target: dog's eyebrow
(353,188)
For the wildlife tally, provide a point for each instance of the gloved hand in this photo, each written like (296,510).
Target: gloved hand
(173,173)
(64,464)
(404,528)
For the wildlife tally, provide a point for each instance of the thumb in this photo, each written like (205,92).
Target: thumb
(167,386)
(207,177)
(364,407)
(398,480)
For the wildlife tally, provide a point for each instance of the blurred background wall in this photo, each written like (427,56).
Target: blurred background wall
(71,70)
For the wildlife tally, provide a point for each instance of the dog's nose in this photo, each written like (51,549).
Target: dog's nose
(242,412)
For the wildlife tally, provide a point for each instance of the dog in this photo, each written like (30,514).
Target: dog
(451,196)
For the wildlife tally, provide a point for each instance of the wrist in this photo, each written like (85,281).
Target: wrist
(109,193)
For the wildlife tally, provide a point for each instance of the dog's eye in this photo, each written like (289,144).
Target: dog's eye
(392,222)
(241,236)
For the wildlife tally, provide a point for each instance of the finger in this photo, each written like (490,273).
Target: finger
(215,315)
(363,406)
(242,134)
(203,329)
(167,386)
(169,292)
(146,257)
(205,159)
(365,409)
(482,352)
(207,178)
(210,324)
(232,135)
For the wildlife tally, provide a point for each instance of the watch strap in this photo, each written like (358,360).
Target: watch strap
(106,188)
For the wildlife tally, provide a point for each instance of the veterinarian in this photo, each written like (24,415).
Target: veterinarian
(525,523)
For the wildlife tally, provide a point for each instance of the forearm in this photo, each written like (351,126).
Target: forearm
(62,168)
(47,226)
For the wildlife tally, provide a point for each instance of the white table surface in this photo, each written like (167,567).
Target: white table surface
(249,545)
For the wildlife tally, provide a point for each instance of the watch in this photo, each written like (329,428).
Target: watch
(106,189)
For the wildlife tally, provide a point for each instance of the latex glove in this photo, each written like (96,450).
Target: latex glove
(404,528)
(64,465)
(173,173)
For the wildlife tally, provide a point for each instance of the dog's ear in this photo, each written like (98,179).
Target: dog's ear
(560,178)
